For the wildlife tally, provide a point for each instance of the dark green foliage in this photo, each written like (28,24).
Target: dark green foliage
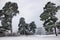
(22,28)
(58,25)
(10,10)
(48,16)
(32,27)
(6,14)
(1,13)
(26,29)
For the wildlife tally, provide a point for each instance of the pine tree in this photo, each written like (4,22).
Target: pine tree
(48,16)
(32,27)
(21,25)
(26,29)
(10,9)
(6,15)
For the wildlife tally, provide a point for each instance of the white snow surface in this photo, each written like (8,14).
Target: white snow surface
(32,37)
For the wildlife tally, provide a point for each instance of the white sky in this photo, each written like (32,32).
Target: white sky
(30,10)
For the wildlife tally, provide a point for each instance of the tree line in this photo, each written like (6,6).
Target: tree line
(7,13)
(48,16)
(25,28)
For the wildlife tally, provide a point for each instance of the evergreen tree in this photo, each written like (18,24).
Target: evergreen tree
(22,28)
(6,15)
(48,16)
(10,10)
(32,27)
(26,29)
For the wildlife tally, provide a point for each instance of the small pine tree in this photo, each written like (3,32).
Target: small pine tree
(32,27)
(26,29)
(22,28)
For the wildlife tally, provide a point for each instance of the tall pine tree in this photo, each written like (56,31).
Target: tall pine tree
(48,16)
(10,9)
(6,14)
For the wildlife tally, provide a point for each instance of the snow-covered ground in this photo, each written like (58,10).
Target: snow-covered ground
(32,37)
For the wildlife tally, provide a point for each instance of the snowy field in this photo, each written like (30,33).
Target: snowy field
(32,37)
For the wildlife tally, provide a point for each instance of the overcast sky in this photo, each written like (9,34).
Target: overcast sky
(30,10)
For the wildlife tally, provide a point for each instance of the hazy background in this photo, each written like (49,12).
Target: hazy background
(30,10)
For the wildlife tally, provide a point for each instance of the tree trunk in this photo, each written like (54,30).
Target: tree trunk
(11,30)
(55,31)
(11,26)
